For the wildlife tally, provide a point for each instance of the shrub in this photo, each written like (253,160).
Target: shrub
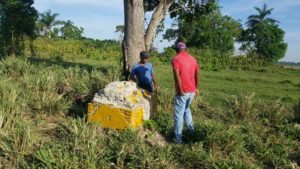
(297,112)
(75,49)
(242,108)
(275,114)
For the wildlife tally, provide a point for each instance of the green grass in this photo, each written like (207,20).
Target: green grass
(218,86)
(43,106)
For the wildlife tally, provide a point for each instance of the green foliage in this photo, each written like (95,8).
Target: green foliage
(50,89)
(73,49)
(46,22)
(242,108)
(202,26)
(149,5)
(18,19)
(209,30)
(120,28)
(264,37)
(70,31)
(297,111)
(213,60)
(47,26)
(43,100)
(255,19)
(214,31)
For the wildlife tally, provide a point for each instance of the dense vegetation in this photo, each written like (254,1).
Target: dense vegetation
(17,21)
(247,114)
(244,118)
(204,27)
(263,36)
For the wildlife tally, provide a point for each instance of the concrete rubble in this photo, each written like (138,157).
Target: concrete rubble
(153,138)
(119,94)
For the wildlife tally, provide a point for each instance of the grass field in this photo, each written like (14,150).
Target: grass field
(218,86)
(43,105)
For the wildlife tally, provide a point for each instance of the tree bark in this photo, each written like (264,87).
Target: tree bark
(133,42)
(158,15)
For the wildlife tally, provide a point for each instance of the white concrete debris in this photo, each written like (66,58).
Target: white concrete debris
(119,94)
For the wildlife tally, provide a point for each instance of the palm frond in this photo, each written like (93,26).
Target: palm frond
(252,23)
(253,17)
(55,15)
(271,20)
(258,10)
(261,16)
(57,22)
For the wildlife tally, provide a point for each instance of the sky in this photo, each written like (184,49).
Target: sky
(100,17)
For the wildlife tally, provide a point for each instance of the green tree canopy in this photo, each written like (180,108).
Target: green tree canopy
(47,21)
(264,36)
(120,28)
(18,19)
(70,31)
(202,25)
(262,16)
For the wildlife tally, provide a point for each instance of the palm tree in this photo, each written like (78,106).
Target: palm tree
(261,17)
(47,21)
(69,30)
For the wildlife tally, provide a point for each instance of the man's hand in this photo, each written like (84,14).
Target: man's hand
(197,92)
(181,93)
(155,87)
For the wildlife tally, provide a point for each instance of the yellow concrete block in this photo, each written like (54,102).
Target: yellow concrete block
(111,117)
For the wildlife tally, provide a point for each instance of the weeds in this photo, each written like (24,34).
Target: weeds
(297,112)
(242,108)
(36,130)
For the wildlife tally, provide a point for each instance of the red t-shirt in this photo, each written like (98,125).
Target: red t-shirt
(188,67)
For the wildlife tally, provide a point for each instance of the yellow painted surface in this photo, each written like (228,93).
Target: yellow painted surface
(111,117)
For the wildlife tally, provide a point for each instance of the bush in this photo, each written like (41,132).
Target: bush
(242,108)
(212,60)
(297,112)
(75,49)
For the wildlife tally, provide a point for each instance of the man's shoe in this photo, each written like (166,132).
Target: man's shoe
(177,141)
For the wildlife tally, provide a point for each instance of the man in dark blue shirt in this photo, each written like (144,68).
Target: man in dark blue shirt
(143,74)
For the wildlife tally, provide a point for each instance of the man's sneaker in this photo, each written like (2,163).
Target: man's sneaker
(177,142)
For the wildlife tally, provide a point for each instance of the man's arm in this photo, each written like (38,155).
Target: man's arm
(132,75)
(178,81)
(197,78)
(132,78)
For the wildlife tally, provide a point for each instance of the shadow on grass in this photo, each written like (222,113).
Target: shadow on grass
(79,107)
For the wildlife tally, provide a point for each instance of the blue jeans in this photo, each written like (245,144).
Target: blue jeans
(182,112)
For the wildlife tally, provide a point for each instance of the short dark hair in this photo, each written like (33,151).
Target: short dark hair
(144,55)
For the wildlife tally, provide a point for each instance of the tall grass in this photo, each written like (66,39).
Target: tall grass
(37,131)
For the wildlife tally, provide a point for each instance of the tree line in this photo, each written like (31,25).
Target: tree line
(20,21)
(48,25)
(199,23)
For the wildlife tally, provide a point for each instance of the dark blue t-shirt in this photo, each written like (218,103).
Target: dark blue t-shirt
(143,73)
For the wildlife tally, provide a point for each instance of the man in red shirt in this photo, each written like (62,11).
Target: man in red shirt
(186,74)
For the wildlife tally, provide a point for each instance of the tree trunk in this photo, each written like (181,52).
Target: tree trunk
(158,15)
(13,44)
(133,42)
